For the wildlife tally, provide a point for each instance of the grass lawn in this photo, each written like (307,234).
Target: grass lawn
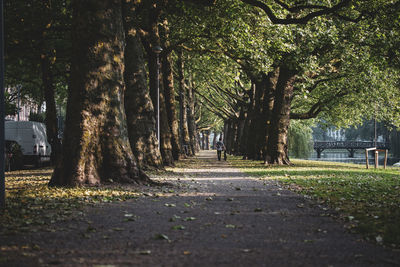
(368,200)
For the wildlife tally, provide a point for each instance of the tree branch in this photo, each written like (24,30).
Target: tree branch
(303,20)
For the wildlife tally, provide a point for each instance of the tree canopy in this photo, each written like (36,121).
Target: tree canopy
(244,67)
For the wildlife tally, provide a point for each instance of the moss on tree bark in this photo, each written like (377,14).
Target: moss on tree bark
(96,147)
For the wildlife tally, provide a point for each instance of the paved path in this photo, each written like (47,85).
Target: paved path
(213,216)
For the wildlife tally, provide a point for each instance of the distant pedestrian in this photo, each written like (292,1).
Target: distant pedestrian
(220,147)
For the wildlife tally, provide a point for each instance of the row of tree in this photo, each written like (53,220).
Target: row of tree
(341,67)
(251,65)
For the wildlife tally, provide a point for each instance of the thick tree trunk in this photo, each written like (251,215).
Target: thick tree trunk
(247,123)
(169,94)
(277,152)
(256,131)
(206,139)
(183,118)
(229,139)
(96,147)
(138,105)
(154,39)
(214,141)
(269,98)
(193,135)
(240,131)
(51,110)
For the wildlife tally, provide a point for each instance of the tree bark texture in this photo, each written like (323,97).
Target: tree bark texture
(256,127)
(139,108)
(206,135)
(277,149)
(214,141)
(193,135)
(152,41)
(240,130)
(51,110)
(96,147)
(247,123)
(268,105)
(183,106)
(169,93)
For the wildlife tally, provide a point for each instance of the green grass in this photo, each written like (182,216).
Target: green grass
(368,200)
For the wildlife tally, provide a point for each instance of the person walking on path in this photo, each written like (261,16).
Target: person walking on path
(220,147)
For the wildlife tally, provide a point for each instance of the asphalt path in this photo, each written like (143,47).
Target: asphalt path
(211,215)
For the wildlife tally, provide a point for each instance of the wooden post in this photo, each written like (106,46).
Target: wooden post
(366,158)
(376,159)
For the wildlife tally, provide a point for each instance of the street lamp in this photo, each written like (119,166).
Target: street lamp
(157,50)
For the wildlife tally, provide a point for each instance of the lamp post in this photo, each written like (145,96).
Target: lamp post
(2,113)
(157,50)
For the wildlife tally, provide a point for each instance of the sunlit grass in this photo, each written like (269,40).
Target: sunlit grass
(31,204)
(368,200)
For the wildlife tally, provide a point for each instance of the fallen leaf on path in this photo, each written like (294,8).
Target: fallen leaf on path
(187,252)
(178,227)
(169,205)
(145,252)
(174,218)
(161,237)
(230,226)
(189,219)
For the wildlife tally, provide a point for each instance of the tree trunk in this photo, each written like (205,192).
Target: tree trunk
(269,98)
(154,67)
(193,135)
(240,130)
(183,118)
(256,131)
(246,126)
(169,94)
(96,147)
(138,105)
(277,152)
(51,110)
(214,141)
(206,139)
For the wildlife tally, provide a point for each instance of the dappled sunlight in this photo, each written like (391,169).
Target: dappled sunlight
(367,198)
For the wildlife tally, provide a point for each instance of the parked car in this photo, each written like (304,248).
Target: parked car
(14,159)
(32,138)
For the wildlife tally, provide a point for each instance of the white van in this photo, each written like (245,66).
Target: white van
(32,138)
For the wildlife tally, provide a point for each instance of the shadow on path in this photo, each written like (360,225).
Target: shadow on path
(214,215)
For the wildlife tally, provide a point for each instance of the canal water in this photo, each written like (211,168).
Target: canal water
(359,157)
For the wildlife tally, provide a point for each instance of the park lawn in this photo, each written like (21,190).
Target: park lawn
(32,205)
(368,200)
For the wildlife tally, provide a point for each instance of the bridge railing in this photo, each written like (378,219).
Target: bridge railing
(349,145)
